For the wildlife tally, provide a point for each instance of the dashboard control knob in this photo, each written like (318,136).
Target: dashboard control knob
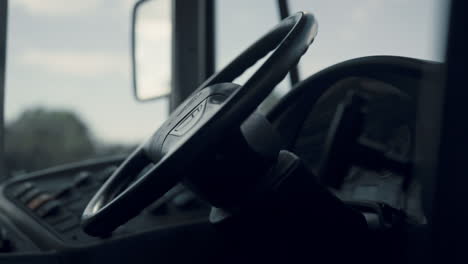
(63,192)
(82,179)
(39,200)
(29,195)
(49,208)
(22,189)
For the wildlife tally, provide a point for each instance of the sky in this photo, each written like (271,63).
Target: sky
(75,55)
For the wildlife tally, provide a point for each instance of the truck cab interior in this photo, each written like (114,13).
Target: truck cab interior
(244,148)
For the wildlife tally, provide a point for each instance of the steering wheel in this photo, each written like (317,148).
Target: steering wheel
(197,126)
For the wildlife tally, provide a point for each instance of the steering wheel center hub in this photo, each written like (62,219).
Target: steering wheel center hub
(188,119)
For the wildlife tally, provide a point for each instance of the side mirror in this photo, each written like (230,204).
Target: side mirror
(152,49)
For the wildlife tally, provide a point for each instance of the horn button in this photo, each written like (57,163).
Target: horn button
(189,118)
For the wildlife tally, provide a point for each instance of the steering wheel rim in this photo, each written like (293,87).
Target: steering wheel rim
(195,126)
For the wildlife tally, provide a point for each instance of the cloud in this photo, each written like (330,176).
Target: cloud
(127,4)
(77,63)
(64,8)
(56,7)
(361,16)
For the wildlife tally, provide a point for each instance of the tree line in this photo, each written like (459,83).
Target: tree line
(40,138)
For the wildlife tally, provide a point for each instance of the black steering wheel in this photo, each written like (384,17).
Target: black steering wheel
(198,126)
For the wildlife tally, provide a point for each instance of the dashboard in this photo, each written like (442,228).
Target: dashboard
(391,85)
(42,211)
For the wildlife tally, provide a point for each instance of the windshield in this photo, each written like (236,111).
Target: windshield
(69,95)
(347,30)
(351,29)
